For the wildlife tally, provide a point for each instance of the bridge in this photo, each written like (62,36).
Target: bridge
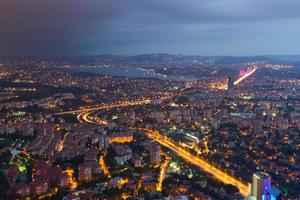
(245,73)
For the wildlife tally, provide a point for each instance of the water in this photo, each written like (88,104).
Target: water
(131,73)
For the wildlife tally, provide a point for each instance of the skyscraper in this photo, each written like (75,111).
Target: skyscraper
(260,185)
(230,83)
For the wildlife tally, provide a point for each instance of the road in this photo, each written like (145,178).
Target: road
(86,117)
(103,165)
(190,158)
(123,103)
(103,107)
(116,105)
(70,173)
(62,143)
(163,171)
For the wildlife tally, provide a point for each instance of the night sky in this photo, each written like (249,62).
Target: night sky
(127,27)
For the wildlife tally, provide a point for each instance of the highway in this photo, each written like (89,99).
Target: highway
(190,158)
(86,117)
(103,107)
(184,154)
(116,105)
(122,104)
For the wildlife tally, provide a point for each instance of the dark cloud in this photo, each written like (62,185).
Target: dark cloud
(50,26)
(144,26)
(214,11)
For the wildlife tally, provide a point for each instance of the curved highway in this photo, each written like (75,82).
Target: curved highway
(195,160)
(184,154)
(115,105)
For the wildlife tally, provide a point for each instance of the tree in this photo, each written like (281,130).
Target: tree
(231,189)
(5,157)
(3,186)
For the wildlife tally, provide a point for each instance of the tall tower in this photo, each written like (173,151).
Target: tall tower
(260,185)
(230,83)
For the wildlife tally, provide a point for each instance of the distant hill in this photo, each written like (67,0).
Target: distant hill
(242,59)
(161,59)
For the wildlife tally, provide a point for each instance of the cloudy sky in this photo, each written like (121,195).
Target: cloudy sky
(127,27)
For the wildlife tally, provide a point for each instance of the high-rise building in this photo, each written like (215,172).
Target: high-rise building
(261,188)
(230,83)
(260,185)
(154,154)
(103,141)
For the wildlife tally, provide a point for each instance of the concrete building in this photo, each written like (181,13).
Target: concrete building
(154,152)
(84,172)
(260,185)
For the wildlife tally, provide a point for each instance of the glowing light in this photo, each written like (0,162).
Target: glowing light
(103,166)
(123,182)
(70,174)
(121,139)
(245,73)
(162,175)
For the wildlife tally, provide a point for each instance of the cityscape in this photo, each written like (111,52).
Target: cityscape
(71,134)
(130,122)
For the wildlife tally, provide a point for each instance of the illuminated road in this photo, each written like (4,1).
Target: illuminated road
(103,165)
(187,156)
(115,105)
(62,143)
(139,185)
(73,182)
(86,117)
(190,158)
(245,75)
(49,194)
(206,147)
(163,171)
(124,104)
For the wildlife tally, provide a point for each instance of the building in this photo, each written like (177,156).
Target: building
(84,172)
(11,174)
(137,160)
(103,141)
(272,194)
(123,153)
(261,185)
(40,186)
(64,180)
(20,189)
(56,177)
(40,169)
(154,152)
(230,83)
